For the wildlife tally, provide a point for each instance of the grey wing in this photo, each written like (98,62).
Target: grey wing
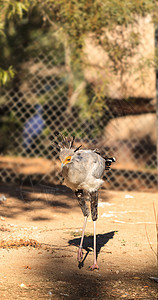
(92,162)
(80,161)
(99,168)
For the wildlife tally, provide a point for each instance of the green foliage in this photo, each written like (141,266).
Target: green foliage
(16,9)
(76,19)
(10,10)
(2,29)
(59,27)
(6,75)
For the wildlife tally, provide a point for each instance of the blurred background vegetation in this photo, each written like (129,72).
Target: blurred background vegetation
(62,26)
(46,59)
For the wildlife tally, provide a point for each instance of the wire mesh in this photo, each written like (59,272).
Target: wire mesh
(42,102)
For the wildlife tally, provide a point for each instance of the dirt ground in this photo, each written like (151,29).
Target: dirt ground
(40,229)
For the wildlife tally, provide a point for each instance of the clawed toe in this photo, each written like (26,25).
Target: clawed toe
(93,267)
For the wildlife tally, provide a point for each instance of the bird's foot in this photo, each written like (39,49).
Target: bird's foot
(79,254)
(93,267)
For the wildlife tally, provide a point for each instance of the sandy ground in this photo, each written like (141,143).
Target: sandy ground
(40,229)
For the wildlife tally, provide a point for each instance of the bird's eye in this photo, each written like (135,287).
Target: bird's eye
(68,159)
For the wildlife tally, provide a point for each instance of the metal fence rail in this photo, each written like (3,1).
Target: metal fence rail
(37,106)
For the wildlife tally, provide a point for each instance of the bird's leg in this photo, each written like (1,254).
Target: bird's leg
(94,213)
(84,208)
(80,252)
(95,265)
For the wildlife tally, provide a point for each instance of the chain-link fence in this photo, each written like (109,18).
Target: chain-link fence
(42,102)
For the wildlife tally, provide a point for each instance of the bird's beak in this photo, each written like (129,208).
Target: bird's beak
(66,161)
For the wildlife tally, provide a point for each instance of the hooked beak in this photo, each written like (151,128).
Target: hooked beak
(63,164)
(66,161)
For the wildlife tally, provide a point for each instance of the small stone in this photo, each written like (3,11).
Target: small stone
(49,293)
(22,285)
(3,198)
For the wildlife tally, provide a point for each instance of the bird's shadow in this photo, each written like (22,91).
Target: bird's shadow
(102,239)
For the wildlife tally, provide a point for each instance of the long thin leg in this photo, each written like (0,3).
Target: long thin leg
(84,208)
(95,265)
(94,213)
(95,250)
(80,252)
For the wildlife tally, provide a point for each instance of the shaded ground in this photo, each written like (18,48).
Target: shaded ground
(40,230)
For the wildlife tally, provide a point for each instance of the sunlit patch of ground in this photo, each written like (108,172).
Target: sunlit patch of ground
(48,268)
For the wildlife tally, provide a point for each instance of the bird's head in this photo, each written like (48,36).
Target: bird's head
(66,156)
(66,161)
(66,150)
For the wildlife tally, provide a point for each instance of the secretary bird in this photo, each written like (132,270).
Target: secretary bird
(83,171)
